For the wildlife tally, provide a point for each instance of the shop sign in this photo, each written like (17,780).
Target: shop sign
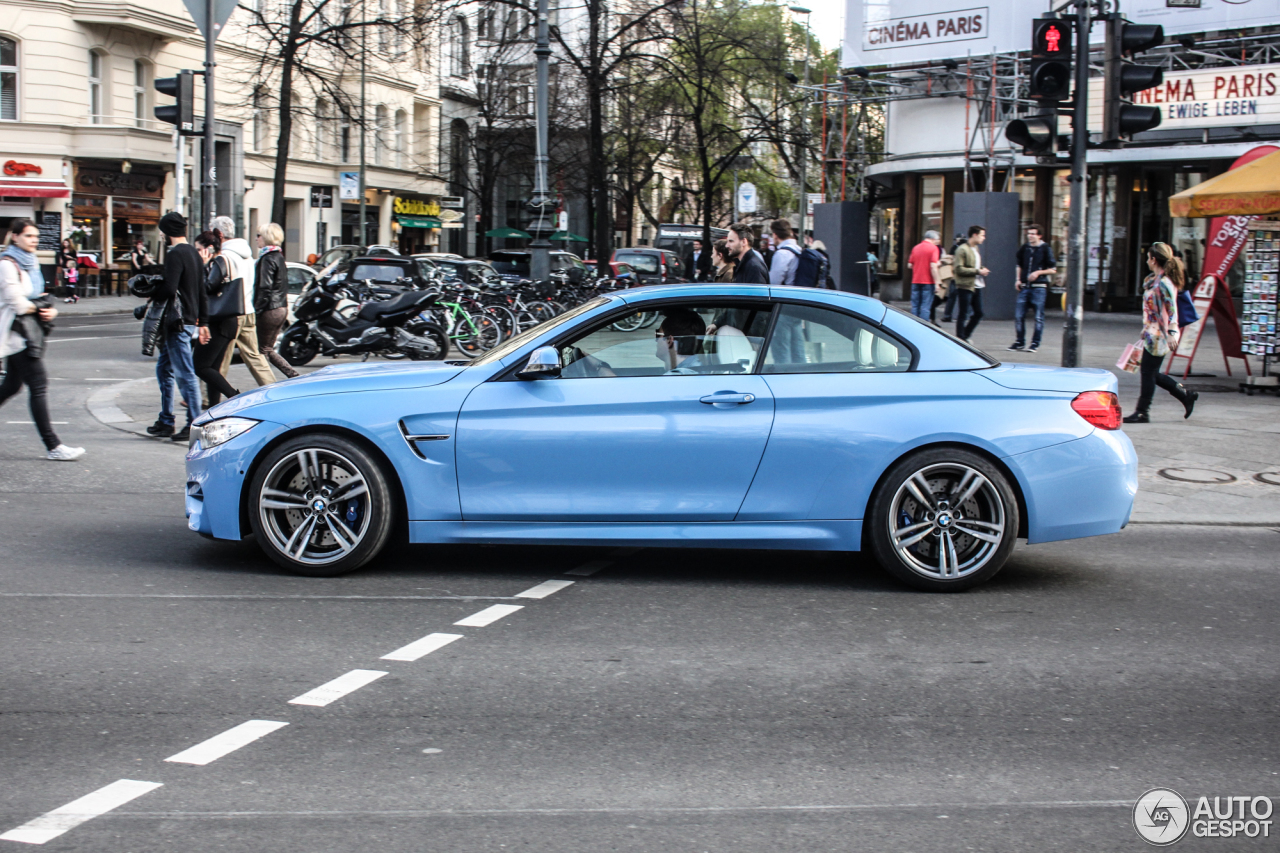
(349,186)
(415,207)
(453,202)
(1233,96)
(322,197)
(15,169)
(138,184)
(450,216)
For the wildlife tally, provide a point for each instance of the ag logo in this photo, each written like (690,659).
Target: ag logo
(1161,816)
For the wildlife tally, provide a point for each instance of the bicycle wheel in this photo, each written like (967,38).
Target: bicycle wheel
(477,334)
(505,316)
(629,323)
(542,311)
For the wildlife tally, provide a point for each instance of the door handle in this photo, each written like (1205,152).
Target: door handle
(729,398)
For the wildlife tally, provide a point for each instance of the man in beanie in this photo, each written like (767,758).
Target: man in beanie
(182,283)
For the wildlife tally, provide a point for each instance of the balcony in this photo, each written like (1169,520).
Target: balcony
(169,21)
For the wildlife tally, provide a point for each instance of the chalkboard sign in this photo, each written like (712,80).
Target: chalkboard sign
(50,231)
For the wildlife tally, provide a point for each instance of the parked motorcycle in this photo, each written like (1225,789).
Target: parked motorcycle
(324,327)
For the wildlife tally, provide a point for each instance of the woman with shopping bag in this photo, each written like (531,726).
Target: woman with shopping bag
(1160,331)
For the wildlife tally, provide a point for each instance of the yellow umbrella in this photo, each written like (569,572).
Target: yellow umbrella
(1250,190)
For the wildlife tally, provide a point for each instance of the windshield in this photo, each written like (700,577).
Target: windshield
(641,263)
(510,264)
(377,272)
(513,344)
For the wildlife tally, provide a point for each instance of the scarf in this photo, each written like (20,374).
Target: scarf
(27,260)
(265,250)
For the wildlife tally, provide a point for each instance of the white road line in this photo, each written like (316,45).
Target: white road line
(339,687)
(52,824)
(544,589)
(227,742)
(489,615)
(588,569)
(256,597)
(99,338)
(422,648)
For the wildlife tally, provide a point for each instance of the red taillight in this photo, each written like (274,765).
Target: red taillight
(1100,408)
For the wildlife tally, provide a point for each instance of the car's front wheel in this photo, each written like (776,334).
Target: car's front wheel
(320,506)
(943,520)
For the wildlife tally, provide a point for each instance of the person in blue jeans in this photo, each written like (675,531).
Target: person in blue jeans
(183,283)
(924,261)
(1036,265)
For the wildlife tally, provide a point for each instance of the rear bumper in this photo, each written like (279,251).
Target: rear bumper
(1084,487)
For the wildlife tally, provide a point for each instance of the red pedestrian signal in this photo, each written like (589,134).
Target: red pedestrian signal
(1052,37)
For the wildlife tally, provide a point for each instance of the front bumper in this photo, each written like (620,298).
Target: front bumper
(1079,488)
(216,479)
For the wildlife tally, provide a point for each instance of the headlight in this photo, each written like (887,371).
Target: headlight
(221,430)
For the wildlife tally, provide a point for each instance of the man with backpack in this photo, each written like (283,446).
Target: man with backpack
(814,265)
(788,333)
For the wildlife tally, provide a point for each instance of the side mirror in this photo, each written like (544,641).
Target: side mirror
(544,363)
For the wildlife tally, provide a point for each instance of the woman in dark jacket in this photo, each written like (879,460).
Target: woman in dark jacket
(271,295)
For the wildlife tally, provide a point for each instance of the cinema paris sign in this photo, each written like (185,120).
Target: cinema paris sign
(898,32)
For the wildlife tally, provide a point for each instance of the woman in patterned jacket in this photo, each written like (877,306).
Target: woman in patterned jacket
(1160,331)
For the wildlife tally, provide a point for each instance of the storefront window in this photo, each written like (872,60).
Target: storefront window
(1188,235)
(931,203)
(86,233)
(885,225)
(1024,184)
(1100,231)
(1060,222)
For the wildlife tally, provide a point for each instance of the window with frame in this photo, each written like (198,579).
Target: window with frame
(810,339)
(689,339)
(140,93)
(398,139)
(459,49)
(379,135)
(8,79)
(95,87)
(259,120)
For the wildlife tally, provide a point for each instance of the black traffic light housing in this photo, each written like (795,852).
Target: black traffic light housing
(1051,59)
(1121,118)
(1037,135)
(180,114)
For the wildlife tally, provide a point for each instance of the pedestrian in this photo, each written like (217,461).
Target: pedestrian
(723,263)
(22,295)
(66,251)
(181,286)
(140,258)
(953,292)
(924,262)
(216,333)
(970,280)
(692,259)
(236,251)
(1160,331)
(271,298)
(1035,265)
(788,331)
(749,267)
(72,277)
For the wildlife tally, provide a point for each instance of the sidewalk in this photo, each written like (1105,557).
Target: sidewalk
(90,306)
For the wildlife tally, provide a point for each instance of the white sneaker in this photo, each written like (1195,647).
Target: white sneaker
(62,453)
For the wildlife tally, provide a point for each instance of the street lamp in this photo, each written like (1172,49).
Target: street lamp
(541,203)
(804,120)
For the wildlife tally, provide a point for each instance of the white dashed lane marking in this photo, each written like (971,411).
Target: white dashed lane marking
(588,569)
(227,742)
(544,589)
(52,824)
(489,615)
(423,647)
(339,687)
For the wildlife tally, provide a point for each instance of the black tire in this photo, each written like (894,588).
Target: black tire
(297,349)
(958,536)
(284,499)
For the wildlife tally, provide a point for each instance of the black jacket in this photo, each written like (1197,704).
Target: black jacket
(751,269)
(271,283)
(184,279)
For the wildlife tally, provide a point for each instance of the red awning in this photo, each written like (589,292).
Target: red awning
(34,189)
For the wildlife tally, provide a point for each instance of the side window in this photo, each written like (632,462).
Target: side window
(673,340)
(808,339)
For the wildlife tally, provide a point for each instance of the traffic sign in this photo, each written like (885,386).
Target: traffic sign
(748,200)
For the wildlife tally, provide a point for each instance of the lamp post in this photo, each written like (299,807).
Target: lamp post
(804,123)
(363,238)
(540,248)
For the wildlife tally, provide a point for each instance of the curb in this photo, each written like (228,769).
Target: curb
(102,405)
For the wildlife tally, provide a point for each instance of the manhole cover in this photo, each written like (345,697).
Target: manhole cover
(1197,475)
(1271,478)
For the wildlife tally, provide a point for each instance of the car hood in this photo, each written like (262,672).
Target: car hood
(1039,377)
(344,378)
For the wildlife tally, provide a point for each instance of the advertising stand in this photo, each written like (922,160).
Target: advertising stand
(1262,269)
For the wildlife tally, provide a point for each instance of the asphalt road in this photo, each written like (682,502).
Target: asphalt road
(665,701)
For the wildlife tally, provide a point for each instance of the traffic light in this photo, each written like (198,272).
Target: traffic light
(1038,135)
(1121,118)
(182,113)
(1050,75)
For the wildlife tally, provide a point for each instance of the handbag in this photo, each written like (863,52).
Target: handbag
(1187,313)
(1131,359)
(228,299)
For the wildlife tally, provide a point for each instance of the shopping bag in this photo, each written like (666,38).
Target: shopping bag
(1130,359)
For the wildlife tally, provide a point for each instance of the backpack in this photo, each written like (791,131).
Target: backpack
(812,269)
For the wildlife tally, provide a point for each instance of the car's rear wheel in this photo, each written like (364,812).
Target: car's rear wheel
(943,520)
(320,506)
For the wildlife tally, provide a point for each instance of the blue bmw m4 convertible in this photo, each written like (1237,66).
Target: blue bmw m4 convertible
(728,416)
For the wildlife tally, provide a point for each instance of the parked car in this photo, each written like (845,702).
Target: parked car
(386,270)
(809,419)
(299,277)
(514,263)
(466,270)
(651,266)
(344,253)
